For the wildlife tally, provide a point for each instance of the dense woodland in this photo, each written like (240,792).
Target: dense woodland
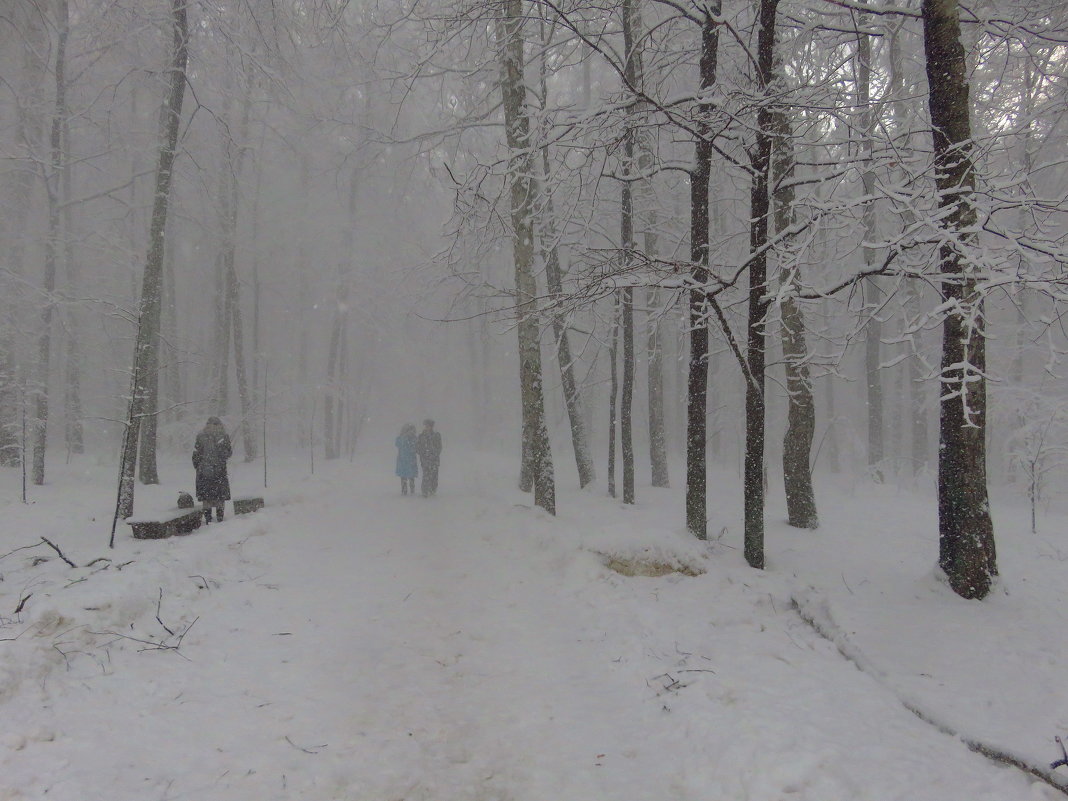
(791,236)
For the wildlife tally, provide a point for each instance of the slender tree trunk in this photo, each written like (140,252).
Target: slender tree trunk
(801,408)
(632,70)
(13,223)
(760,211)
(918,409)
(221,400)
(554,276)
(73,429)
(53,177)
(966,532)
(645,203)
(517,131)
(150,307)
(697,381)
(613,396)
(303,267)
(171,372)
(872,297)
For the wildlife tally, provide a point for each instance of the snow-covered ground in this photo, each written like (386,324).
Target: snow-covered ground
(350,643)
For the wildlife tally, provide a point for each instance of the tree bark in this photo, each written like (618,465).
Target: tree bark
(873,326)
(919,450)
(801,407)
(53,177)
(760,209)
(72,396)
(697,381)
(613,395)
(517,132)
(550,252)
(966,532)
(148,321)
(13,225)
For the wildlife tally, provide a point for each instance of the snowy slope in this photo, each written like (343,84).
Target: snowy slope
(348,643)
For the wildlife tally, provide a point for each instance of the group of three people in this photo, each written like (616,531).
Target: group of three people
(427,447)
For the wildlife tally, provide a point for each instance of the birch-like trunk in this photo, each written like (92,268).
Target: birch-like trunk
(53,176)
(149,312)
(521,174)
(13,233)
(872,297)
(919,451)
(554,278)
(72,395)
(966,533)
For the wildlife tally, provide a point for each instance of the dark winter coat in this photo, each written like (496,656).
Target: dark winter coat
(428,446)
(210,453)
(406,467)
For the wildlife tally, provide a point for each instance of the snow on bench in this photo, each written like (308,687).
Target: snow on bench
(167,524)
(247,504)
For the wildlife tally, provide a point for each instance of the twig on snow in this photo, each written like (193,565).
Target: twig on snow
(159,603)
(55,548)
(23,548)
(301,748)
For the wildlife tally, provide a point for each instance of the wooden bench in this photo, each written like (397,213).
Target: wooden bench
(247,504)
(168,524)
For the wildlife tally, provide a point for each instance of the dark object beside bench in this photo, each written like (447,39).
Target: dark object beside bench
(169,524)
(245,505)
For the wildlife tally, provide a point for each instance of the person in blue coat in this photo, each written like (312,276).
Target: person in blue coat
(406,464)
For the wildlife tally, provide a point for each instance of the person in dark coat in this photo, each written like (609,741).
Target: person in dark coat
(428,446)
(406,466)
(210,453)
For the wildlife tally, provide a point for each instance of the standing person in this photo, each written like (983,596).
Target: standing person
(406,466)
(210,453)
(428,447)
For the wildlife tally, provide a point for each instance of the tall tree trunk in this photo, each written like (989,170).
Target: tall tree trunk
(517,131)
(148,319)
(645,203)
(72,406)
(222,298)
(333,401)
(303,267)
(919,450)
(555,283)
(760,210)
(801,407)
(550,253)
(613,395)
(697,381)
(171,372)
(966,533)
(872,298)
(53,176)
(13,225)
(233,286)
(632,71)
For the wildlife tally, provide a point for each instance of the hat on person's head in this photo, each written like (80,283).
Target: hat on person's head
(214,421)
(428,422)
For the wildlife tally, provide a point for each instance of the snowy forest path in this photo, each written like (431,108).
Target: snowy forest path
(349,643)
(445,648)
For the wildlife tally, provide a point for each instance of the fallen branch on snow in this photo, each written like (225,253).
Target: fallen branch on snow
(827,629)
